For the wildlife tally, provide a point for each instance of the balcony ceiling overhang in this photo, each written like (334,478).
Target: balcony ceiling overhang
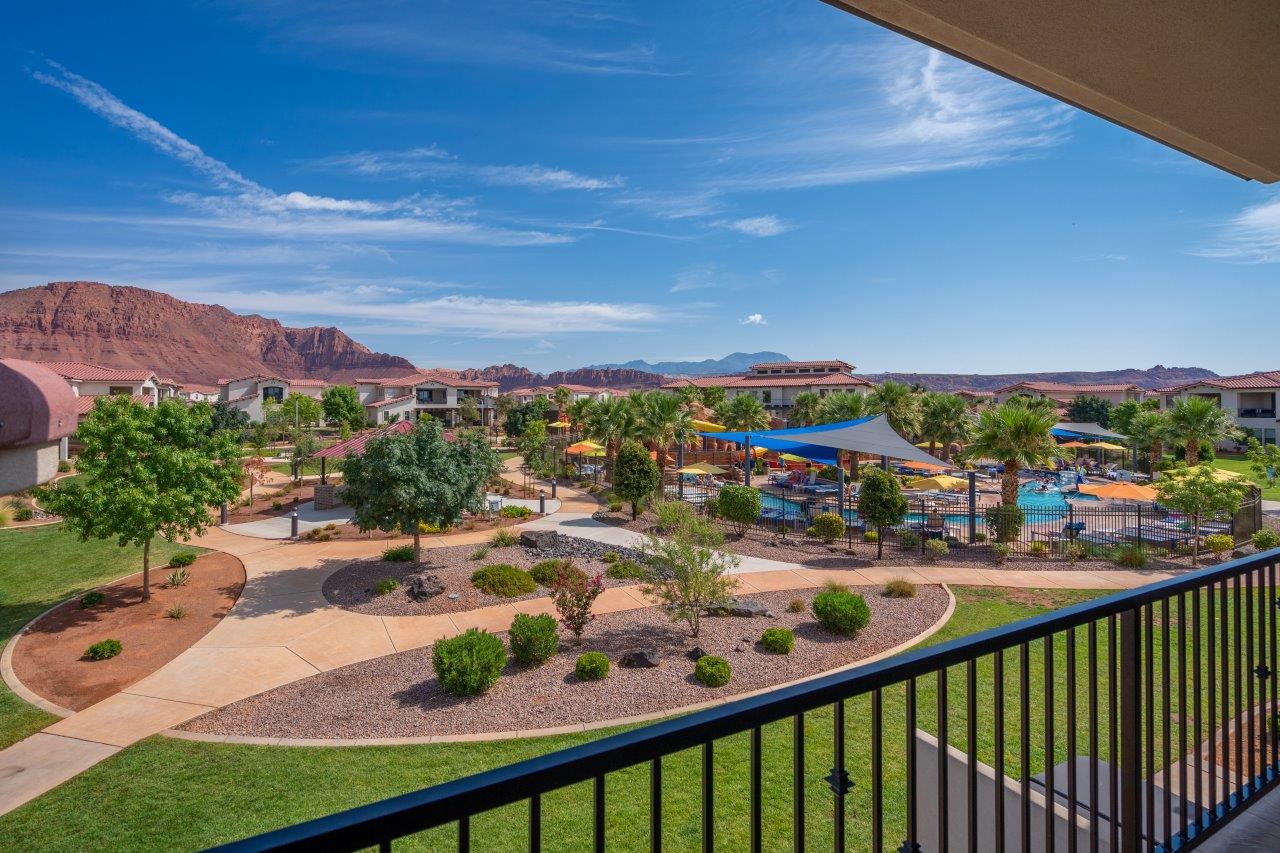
(1201,76)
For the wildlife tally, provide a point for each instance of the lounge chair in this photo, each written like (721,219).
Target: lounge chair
(1072,530)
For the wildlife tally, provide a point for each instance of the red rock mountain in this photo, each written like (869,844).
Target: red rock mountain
(132,327)
(510,376)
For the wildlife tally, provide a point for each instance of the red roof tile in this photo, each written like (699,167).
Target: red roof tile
(1068,388)
(85,401)
(355,445)
(753,381)
(1245,382)
(389,401)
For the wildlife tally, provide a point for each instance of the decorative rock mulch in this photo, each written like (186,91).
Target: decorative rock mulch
(398,695)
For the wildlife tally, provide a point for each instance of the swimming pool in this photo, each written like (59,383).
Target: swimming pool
(794,511)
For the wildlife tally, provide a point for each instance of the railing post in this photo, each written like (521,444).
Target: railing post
(973,506)
(1130,699)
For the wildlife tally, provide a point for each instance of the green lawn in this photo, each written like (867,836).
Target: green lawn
(1240,465)
(310,467)
(183,795)
(40,567)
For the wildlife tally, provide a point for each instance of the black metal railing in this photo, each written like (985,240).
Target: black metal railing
(1144,720)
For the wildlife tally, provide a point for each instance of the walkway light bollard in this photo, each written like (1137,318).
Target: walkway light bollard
(293,524)
(553,487)
(542,501)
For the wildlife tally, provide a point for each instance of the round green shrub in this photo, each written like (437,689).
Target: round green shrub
(626,570)
(739,505)
(1266,539)
(277,505)
(828,527)
(503,579)
(514,511)
(470,663)
(900,588)
(871,537)
(533,638)
(1219,543)
(1038,548)
(103,649)
(1004,522)
(610,557)
(908,540)
(398,554)
(780,641)
(181,559)
(387,585)
(90,599)
(1130,556)
(796,605)
(712,671)
(591,666)
(1001,551)
(936,549)
(546,572)
(841,611)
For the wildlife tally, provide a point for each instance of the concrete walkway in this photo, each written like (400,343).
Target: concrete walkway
(282,629)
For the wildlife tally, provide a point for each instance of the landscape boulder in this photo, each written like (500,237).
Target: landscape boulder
(741,607)
(696,653)
(423,587)
(539,540)
(639,659)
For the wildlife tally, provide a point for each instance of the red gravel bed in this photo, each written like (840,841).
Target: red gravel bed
(398,695)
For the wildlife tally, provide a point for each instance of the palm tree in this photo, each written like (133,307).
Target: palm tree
(944,419)
(662,419)
(745,412)
(900,406)
(1017,435)
(562,396)
(578,410)
(611,422)
(804,409)
(842,406)
(1194,420)
(1148,431)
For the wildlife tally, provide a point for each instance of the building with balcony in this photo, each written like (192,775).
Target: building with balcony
(1063,393)
(776,384)
(248,393)
(429,393)
(1249,399)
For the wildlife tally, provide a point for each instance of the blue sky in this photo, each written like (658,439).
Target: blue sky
(579,181)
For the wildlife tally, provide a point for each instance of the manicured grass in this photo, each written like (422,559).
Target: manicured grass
(309,468)
(40,567)
(128,801)
(1240,465)
(508,454)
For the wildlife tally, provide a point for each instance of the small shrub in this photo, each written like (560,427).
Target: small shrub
(1130,556)
(177,611)
(387,585)
(1000,551)
(936,549)
(331,526)
(779,641)
(533,638)
(1038,549)
(64,466)
(277,505)
(103,649)
(908,540)
(979,536)
(828,527)
(1076,551)
(1219,543)
(25,513)
(591,666)
(841,612)
(398,554)
(871,537)
(610,557)
(323,537)
(615,506)
(91,599)
(546,572)
(1266,539)
(626,570)
(503,539)
(182,559)
(428,529)
(900,588)
(513,511)
(470,663)
(480,553)
(712,671)
(504,580)
(1004,522)
(177,578)
(796,605)
(739,505)
(574,594)
(673,515)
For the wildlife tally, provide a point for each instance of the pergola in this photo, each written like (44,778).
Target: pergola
(356,444)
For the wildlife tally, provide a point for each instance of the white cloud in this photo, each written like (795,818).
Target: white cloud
(754,320)
(540,177)
(758,226)
(434,162)
(697,277)
(1252,236)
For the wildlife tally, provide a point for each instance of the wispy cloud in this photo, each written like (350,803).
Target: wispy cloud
(432,161)
(540,177)
(244,205)
(758,226)
(1252,236)
(754,320)
(696,277)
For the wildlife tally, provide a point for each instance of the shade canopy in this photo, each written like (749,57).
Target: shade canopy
(354,446)
(1120,491)
(1106,445)
(1219,474)
(1074,445)
(583,447)
(941,483)
(559,425)
(923,466)
(701,468)
(707,426)
(1080,430)
(871,435)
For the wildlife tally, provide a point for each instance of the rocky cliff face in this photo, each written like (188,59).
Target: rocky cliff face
(1154,377)
(509,376)
(132,327)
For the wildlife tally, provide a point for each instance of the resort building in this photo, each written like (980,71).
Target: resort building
(776,384)
(576,392)
(91,381)
(248,393)
(433,393)
(1063,392)
(973,397)
(1249,399)
(194,392)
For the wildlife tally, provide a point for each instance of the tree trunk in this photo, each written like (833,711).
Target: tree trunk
(1193,451)
(879,542)
(933,446)
(1009,485)
(146,570)
(417,546)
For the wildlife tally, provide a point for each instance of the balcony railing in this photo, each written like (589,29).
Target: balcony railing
(1256,413)
(1150,715)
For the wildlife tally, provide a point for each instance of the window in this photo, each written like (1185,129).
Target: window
(120,389)
(426,395)
(766,397)
(273,392)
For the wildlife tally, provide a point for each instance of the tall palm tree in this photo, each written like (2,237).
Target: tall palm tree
(578,410)
(804,409)
(900,405)
(562,396)
(662,419)
(1148,431)
(1193,420)
(944,419)
(745,412)
(611,422)
(1017,435)
(842,406)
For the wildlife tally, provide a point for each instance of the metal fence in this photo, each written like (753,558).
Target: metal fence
(1141,721)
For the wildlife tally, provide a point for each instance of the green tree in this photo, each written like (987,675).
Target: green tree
(304,447)
(1198,494)
(224,416)
(1122,414)
(944,420)
(501,406)
(688,395)
(468,411)
(900,405)
(1264,460)
(636,477)
(804,409)
(745,412)
(1194,421)
(881,502)
(1089,410)
(148,472)
(578,410)
(712,396)
(533,443)
(840,406)
(408,479)
(303,411)
(341,405)
(611,422)
(1016,434)
(662,420)
(1148,431)
(562,396)
(688,573)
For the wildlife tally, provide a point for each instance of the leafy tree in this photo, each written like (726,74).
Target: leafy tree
(1016,434)
(341,405)
(739,505)
(504,404)
(1264,460)
(408,479)
(713,395)
(611,422)
(688,573)
(900,405)
(1089,410)
(1198,494)
(149,471)
(804,409)
(944,420)
(533,443)
(255,473)
(1194,421)
(881,502)
(745,412)
(224,416)
(1123,414)
(468,411)
(636,477)
(304,446)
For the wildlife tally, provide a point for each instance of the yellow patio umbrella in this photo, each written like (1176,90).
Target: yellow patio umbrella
(559,425)
(1120,491)
(708,426)
(593,454)
(1076,445)
(701,468)
(1219,474)
(1106,445)
(941,483)
(583,447)
(791,457)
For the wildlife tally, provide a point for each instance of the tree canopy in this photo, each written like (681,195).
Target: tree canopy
(1089,410)
(341,405)
(1201,495)
(636,477)
(881,503)
(1016,434)
(224,416)
(1197,421)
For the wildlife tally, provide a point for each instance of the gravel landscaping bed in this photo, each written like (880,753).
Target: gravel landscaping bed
(399,696)
(354,586)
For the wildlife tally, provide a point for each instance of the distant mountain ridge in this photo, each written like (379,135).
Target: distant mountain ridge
(736,362)
(1158,376)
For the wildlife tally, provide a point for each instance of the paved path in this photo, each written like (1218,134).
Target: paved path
(282,629)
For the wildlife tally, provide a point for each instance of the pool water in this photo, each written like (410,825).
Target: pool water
(791,511)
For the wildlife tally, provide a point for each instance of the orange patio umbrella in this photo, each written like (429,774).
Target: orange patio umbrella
(1073,444)
(1121,491)
(923,466)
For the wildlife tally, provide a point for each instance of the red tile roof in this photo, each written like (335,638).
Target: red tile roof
(444,377)
(388,402)
(1261,379)
(308,383)
(271,377)
(355,445)
(84,372)
(85,401)
(1068,388)
(753,381)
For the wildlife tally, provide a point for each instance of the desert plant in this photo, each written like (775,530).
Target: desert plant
(1000,551)
(503,579)
(574,593)
(533,638)
(103,649)
(470,663)
(1005,522)
(182,559)
(908,540)
(515,511)
(738,505)
(1219,543)
(503,539)
(25,513)
(979,536)
(277,505)
(871,537)
(480,553)
(672,514)
(841,612)
(398,554)
(610,557)
(591,666)
(712,671)
(1266,539)
(1038,549)
(387,585)
(779,641)
(688,573)
(626,570)
(615,506)
(828,527)
(547,572)
(900,588)
(177,578)
(797,605)
(177,611)
(1076,551)
(91,599)
(1130,556)
(936,549)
